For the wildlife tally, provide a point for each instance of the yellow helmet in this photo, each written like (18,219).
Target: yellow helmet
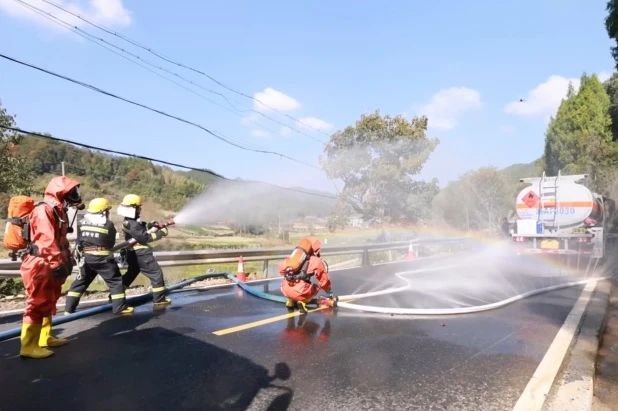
(132,200)
(98,205)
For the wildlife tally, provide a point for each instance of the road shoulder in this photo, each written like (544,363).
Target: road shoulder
(606,379)
(574,386)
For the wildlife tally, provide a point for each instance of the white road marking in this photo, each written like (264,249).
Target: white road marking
(535,393)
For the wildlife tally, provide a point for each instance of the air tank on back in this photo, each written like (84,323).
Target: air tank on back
(561,203)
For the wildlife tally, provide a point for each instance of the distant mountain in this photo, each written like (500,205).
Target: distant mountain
(103,175)
(517,171)
(200,177)
(165,190)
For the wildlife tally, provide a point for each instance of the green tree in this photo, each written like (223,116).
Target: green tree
(611,25)
(478,200)
(377,160)
(579,138)
(611,87)
(15,172)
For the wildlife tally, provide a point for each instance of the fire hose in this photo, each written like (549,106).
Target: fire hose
(260,294)
(280,299)
(464,310)
(135,301)
(417,311)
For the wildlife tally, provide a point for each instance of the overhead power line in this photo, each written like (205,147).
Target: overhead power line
(107,150)
(141,62)
(156,160)
(179,64)
(133,60)
(160,112)
(93,38)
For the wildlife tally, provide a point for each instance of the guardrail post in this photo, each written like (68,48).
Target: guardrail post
(365,258)
(265,268)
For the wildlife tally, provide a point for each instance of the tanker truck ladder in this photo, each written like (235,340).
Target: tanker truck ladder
(557,185)
(548,193)
(541,205)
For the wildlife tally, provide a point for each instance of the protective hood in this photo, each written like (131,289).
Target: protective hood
(310,245)
(316,245)
(58,188)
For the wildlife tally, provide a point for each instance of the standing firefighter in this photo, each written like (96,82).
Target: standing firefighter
(46,265)
(96,236)
(298,269)
(139,257)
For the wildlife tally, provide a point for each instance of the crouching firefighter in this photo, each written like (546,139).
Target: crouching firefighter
(298,270)
(46,265)
(139,257)
(96,236)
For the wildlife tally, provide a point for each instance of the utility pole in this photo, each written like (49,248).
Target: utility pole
(62,164)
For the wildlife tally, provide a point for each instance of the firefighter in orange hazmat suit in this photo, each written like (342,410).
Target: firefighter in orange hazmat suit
(47,265)
(298,269)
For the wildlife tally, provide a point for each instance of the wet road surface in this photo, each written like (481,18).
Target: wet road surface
(327,359)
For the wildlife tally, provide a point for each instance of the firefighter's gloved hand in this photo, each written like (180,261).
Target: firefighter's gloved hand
(334,299)
(152,224)
(61,271)
(302,276)
(163,232)
(122,258)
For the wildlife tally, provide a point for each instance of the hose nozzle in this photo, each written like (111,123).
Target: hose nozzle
(168,223)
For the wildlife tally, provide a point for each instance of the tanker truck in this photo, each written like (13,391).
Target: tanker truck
(560,215)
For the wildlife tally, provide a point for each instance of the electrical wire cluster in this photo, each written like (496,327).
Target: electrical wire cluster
(155,160)
(167,74)
(157,69)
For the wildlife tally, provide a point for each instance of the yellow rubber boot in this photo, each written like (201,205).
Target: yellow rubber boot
(127,311)
(302,307)
(289,303)
(47,339)
(163,303)
(30,342)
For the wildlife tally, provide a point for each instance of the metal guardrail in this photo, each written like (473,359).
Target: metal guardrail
(10,268)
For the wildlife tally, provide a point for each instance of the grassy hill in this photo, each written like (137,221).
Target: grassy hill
(516,171)
(165,191)
(108,176)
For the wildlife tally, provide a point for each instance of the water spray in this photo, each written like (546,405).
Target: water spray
(454,310)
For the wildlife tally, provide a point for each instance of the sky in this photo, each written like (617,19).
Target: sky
(313,66)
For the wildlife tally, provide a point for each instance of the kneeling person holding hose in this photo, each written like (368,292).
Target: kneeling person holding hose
(96,236)
(298,269)
(139,257)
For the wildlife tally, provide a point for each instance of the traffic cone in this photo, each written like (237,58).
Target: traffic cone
(241,275)
(411,254)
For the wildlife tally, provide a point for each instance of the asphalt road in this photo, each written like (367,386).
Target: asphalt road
(325,360)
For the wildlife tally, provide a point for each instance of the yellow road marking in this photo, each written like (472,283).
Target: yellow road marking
(265,321)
